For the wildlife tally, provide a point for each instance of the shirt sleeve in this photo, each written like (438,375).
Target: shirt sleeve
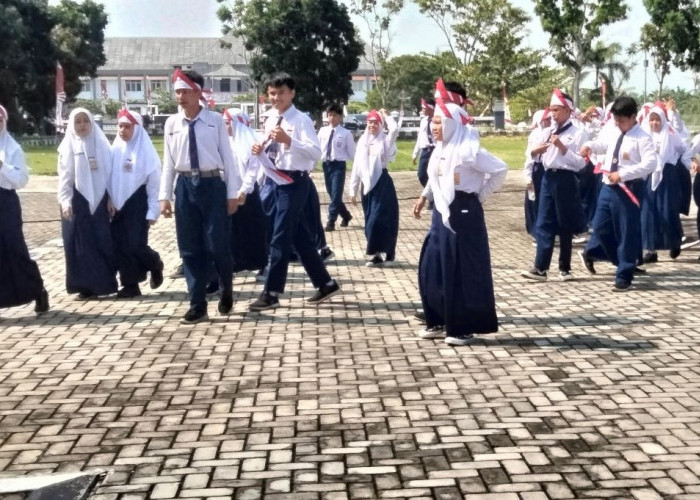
(168,176)
(350,144)
(152,187)
(572,156)
(232,177)
(14,170)
(66,180)
(496,170)
(307,145)
(354,184)
(647,163)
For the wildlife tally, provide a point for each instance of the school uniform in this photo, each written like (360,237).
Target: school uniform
(19,274)
(198,160)
(425,144)
(533,170)
(588,179)
(133,188)
(84,168)
(337,147)
(617,223)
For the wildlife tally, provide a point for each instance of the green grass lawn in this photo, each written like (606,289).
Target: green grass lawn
(42,160)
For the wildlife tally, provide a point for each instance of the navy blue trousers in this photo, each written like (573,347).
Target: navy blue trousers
(291,229)
(559,213)
(661,219)
(589,186)
(20,280)
(203,235)
(423,160)
(249,239)
(334,175)
(616,232)
(130,235)
(531,205)
(381,209)
(91,263)
(686,187)
(312,214)
(454,274)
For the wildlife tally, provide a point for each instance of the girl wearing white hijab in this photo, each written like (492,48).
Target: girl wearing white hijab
(533,169)
(249,245)
(133,189)
(84,167)
(19,274)
(454,274)
(374,151)
(661,222)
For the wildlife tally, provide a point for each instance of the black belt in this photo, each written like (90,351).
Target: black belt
(464,195)
(559,170)
(201,173)
(295,174)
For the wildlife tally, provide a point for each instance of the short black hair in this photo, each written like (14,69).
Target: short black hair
(457,88)
(624,106)
(335,108)
(195,77)
(430,101)
(279,80)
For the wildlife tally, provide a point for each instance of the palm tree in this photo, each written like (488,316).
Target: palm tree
(610,62)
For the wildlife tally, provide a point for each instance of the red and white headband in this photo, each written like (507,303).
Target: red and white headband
(374,115)
(182,81)
(124,116)
(425,104)
(561,99)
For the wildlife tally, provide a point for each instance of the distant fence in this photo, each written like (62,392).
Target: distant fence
(39,140)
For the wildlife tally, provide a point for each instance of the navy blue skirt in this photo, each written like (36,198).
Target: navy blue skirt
(531,205)
(249,239)
(130,236)
(91,264)
(454,275)
(589,185)
(661,220)
(686,188)
(381,209)
(20,280)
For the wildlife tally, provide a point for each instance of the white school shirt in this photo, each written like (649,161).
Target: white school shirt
(636,158)
(422,141)
(304,150)
(14,173)
(343,147)
(573,138)
(213,150)
(677,123)
(536,137)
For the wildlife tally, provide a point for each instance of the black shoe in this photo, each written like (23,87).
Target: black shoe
(225,302)
(420,316)
(179,271)
(639,270)
(194,316)
(376,261)
(535,274)
(86,295)
(265,301)
(212,287)
(586,261)
(330,226)
(621,286)
(650,258)
(326,254)
(42,302)
(324,293)
(129,292)
(674,253)
(157,276)
(345,221)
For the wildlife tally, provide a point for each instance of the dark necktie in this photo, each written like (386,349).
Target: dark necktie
(430,134)
(330,143)
(274,146)
(616,154)
(194,157)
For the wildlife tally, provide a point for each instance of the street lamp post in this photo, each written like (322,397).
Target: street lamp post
(646,65)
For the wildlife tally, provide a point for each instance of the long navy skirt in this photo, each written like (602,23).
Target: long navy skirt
(249,245)
(589,185)
(531,205)
(130,236)
(686,187)
(20,280)
(454,275)
(696,197)
(661,220)
(381,209)
(91,263)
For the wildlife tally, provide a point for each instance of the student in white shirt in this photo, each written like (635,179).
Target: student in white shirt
(559,211)
(19,274)
(629,158)
(133,189)
(337,148)
(206,192)
(533,169)
(424,141)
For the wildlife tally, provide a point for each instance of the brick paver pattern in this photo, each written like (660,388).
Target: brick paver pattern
(582,394)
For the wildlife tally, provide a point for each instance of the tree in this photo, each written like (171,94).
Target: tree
(573,26)
(531,99)
(675,26)
(655,41)
(312,40)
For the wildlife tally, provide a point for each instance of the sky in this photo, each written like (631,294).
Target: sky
(412,31)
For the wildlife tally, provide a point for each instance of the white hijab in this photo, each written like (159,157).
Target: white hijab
(141,156)
(666,143)
(458,148)
(8,146)
(241,143)
(74,152)
(372,154)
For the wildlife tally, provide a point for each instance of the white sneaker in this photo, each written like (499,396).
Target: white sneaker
(466,340)
(566,276)
(579,240)
(432,333)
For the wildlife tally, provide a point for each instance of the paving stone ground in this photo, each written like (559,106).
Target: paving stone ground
(582,393)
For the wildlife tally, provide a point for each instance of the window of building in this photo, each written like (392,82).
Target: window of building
(157,85)
(133,85)
(358,85)
(225,85)
(86,86)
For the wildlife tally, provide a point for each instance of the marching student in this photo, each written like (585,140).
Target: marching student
(424,140)
(19,274)
(206,192)
(559,211)
(455,280)
(293,148)
(84,169)
(533,169)
(629,158)
(337,147)
(133,190)
(380,205)
(661,221)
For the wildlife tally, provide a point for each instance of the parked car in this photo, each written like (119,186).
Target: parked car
(355,122)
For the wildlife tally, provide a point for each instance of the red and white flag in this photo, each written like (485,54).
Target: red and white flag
(603,89)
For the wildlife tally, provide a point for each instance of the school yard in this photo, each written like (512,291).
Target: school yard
(583,393)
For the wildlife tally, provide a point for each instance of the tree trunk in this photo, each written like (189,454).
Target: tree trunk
(576,86)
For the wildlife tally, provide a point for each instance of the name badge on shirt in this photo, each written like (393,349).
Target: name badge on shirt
(128,166)
(625,156)
(456,178)
(92,161)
